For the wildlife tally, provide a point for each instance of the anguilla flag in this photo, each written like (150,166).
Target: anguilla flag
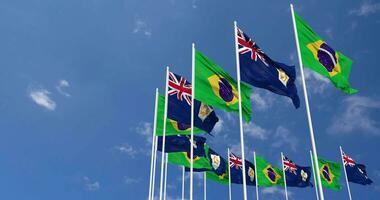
(296,176)
(236,170)
(356,173)
(218,164)
(179,105)
(258,70)
(181,143)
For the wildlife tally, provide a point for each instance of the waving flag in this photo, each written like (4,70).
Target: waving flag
(172,127)
(200,161)
(267,175)
(236,170)
(179,105)
(330,174)
(217,164)
(181,143)
(318,56)
(356,173)
(296,176)
(217,88)
(257,69)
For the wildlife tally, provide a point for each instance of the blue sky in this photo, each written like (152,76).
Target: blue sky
(77,88)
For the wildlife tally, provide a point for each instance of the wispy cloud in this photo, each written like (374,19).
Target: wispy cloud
(194,4)
(284,137)
(130,180)
(218,126)
(91,185)
(329,32)
(141,27)
(356,116)
(42,98)
(256,131)
(315,82)
(146,130)
(127,149)
(366,8)
(62,85)
(262,100)
(275,191)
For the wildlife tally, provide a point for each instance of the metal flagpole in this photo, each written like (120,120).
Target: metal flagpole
(192,118)
(183,182)
(153,145)
(163,134)
(314,174)
(240,114)
(166,174)
(345,173)
(204,186)
(314,148)
(257,181)
(229,175)
(283,172)
(154,166)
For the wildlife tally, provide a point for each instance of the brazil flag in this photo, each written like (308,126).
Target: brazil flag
(322,58)
(172,127)
(183,159)
(217,88)
(330,174)
(267,175)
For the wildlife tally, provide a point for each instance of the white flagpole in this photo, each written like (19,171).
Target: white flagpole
(204,186)
(257,181)
(154,166)
(229,176)
(153,145)
(192,118)
(166,174)
(183,183)
(163,134)
(314,148)
(240,114)
(283,173)
(345,173)
(314,175)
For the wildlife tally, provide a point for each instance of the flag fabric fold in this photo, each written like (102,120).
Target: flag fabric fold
(217,88)
(356,173)
(181,143)
(296,176)
(318,56)
(259,70)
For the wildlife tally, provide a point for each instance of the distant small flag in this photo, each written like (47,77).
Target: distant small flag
(181,143)
(179,105)
(356,173)
(296,176)
(236,170)
(259,70)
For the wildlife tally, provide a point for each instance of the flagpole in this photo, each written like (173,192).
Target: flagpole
(154,166)
(153,145)
(163,134)
(257,181)
(345,173)
(192,118)
(314,174)
(240,114)
(314,148)
(183,182)
(229,175)
(166,174)
(204,186)
(283,172)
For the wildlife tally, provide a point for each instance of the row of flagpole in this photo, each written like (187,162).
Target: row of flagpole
(313,153)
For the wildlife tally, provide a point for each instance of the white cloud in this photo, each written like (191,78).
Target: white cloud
(255,131)
(262,100)
(129,180)
(315,82)
(91,185)
(41,97)
(275,191)
(194,4)
(141,27)
(329,33)
(218,127)
(146,130)
(284,137)
(356,115)
(127,149)
(366,8)
(62,84)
